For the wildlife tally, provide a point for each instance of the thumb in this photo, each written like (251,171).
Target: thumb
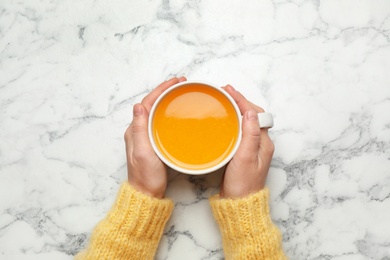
(250,135)
(140,126)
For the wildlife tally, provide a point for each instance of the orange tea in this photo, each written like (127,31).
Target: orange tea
(195,126)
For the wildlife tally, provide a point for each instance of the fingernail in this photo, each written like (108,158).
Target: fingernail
(137,110)
(251,115)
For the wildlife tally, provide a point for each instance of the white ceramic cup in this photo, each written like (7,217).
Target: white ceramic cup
(265,119)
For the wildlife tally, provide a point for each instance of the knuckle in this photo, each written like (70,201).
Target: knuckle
(270,147)
(136,128)
(127,134)
(255,130)
(141,155)
(246,158)
(252,130)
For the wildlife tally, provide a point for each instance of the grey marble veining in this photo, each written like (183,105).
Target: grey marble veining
(70,72)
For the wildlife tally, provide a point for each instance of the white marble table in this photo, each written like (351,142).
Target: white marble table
(70,72)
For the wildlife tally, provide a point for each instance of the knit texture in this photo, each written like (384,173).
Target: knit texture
(247,229)
(132,228)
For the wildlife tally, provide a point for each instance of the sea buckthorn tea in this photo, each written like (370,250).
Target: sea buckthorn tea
(195,127)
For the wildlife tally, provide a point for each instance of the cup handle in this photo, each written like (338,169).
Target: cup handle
(266,120)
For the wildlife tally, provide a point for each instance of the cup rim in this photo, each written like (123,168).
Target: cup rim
(181,169)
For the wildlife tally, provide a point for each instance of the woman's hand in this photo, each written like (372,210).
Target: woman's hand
(146,172)
(246,173)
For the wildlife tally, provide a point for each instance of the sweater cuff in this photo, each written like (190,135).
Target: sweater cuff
(132,228)
(246,226)
(138,214)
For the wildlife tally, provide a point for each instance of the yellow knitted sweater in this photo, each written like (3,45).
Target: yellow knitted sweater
(134,225)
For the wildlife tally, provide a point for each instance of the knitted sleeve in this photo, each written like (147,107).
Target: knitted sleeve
(131,230)
(247,229)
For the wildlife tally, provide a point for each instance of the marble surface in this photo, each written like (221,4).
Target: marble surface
(70,72)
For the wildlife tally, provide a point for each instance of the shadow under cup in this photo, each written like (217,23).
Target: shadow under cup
(195,127)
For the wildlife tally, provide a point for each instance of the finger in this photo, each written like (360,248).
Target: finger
(266,145)
(249,147)
(149,100)
(139,128)
(242,103)
(182,78)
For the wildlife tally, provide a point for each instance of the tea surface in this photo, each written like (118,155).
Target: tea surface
(195,127)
